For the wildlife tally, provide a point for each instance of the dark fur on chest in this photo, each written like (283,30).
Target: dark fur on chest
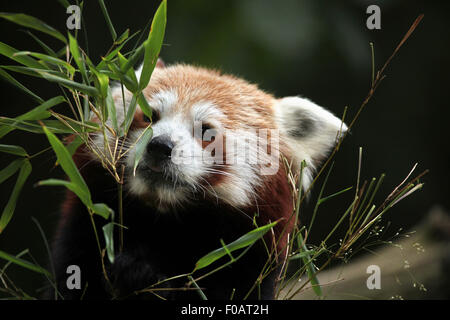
(156,246)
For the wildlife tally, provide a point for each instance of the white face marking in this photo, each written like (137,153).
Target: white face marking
(190,164)
(189,167)
(164,101)
(185,177)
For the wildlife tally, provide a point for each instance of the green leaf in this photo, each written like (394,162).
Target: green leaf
(47,49)
(102,65)
(34,72)
(130,63)
(145,107)
(75,51)
(129,73)
(20,254)
(33,23)
(23,263)
(38,111)
(16,83)
(111,108)
(49,59)
(17,150)
(102,210)
(74,145)
(8,212)
(130,82)
(10,52)
(130,114)
(103,81)
(153,44)
(67,164)
(89,90)
(108,20)
(56,126)
(10,169)
(64,3)
(141,146)
(108,232)
(84,197)
(77,183)
(321,200)
(310,269)
(98,208)
(301,255)
(123,37)
(244,241)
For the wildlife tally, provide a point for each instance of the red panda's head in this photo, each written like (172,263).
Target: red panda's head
(217,137)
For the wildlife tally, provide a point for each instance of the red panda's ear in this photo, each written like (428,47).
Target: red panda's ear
(160,63)
(310,130)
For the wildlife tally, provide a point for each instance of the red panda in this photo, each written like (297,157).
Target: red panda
(197,184)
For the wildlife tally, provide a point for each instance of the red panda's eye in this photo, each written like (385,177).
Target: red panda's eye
(153,119)
(205,127)
(211,135)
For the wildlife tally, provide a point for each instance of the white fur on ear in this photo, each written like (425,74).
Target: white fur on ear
(311,131)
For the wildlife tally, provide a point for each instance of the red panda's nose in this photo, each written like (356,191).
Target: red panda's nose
(159,150)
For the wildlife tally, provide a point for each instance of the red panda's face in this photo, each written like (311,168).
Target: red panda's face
(217,137)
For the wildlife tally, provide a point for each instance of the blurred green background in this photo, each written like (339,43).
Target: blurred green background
(314,48)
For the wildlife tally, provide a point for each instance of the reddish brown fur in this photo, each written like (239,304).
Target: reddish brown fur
(245,106)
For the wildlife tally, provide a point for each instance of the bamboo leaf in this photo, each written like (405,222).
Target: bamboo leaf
(75,51)
(77,183)
(310,269)
(89,90)
(56,126)
(322,200)
(47,49)
(108,231)
(123,37)
(145,107)
(17,150)
(102,210)
(108,20)
(10,169)
(34,72)
(74,145)
(64,3)
(301,255)
(84,197)
(129,73)
(16,83)
(116,74)
(244,241)
(10,52)
(23,263)
(111,108)
(8,212)
(141,147)
(67,164)
(49,59)
(33,23)
(153,44)
(103,81)
(130,114)
(38,111)
(102,64)
(130,63)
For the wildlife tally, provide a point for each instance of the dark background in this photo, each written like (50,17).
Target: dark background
(314,48)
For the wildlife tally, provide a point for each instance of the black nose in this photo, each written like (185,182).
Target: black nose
(159,150)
